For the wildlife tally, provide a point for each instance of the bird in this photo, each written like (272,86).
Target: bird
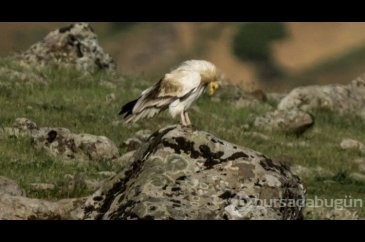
(176,91)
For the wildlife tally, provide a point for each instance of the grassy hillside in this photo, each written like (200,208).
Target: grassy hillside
(156,47)
(77,101)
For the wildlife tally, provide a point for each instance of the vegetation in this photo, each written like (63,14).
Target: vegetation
(77,101)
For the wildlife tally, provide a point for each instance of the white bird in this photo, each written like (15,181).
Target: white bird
(177,91)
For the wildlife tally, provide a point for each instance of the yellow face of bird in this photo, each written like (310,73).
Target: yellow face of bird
(212,88)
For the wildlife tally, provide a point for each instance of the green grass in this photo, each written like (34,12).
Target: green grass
(76,101)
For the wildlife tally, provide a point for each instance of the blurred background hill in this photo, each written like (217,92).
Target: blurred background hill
(272,56)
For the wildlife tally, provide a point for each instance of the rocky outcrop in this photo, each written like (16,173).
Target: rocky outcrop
(289,121)
(75,45)
(62,142)
(183,174)
(338,98)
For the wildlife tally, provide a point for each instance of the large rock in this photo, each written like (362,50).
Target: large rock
(62,142)
(289,121)
(18,207)
(184,174)
(338,98)
(76,45)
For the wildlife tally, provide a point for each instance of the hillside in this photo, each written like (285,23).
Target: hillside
(312,52)
(61,136)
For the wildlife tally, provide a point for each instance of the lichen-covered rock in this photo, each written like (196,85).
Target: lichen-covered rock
(10,187)
(18,207)
(60,141)
(75,45)
(338,98)
(183,174)
(290,121)
(21,127)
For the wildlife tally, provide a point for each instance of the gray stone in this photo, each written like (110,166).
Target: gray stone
(110,98)
(21,127)
(10,187)
(17,207)
(41,186)
(309,172)
(338,98)
(357,176)
(75,45)
(289,121)
(60,141)
(183,174)
(352,144)
(106,174)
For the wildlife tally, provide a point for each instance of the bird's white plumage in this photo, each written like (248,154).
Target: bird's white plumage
(177,91)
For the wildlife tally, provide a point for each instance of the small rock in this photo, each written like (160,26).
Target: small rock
(352,144)
(106,174)
(69,176)
(297,144)
(92,184)
(357,177)
(259,136)
(301,171)
(110,98)
(10,187)
(42,186)
(107,84)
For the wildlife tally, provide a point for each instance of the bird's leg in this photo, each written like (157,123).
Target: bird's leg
(183,121)
(188,122)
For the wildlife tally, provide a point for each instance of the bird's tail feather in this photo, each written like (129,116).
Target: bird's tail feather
(127,109)
(146,113)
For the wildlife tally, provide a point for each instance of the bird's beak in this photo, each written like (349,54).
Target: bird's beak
(212,88)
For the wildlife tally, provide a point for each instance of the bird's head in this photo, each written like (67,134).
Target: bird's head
(212,88)
(207,70)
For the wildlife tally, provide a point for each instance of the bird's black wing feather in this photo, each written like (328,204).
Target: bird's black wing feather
(127,109)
